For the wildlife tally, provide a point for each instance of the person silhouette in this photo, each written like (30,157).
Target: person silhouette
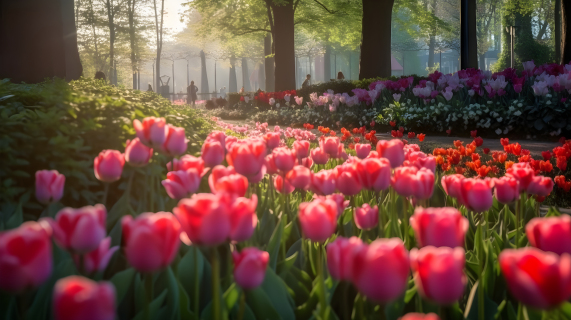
(306,83)
(191,91)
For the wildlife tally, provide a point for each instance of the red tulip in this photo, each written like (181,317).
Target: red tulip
(79,298)
(151,240)
(439,227)
(108,165)
(98,259)
(523,173)
(362,150)
(49,186)
(301,148)
(538,279)
(319,156)
(188,162)
(366,217)
(219,172)
(413,182)
(272,140)
(243,218)
(340,255)
(234,184)
(284,159)
(380,271)
(80,230)
(270,164)
(478,141)
(550,234)
(474,133)
(283,186)
(421,160)
(318,219)
(330,145)
(250,267)
(376,173)
(476,194)
(339,199)
(323,182)
(25,257)
(451,184)
(137,154)
(420,316)
(546,155)
(205,218)
(561,163)
(541,186)
(229,142)
(438,273)
(152,131)
(212,153)
(180,184)
(247,156)
(306,162)
(349,180)
(299,177)
(392,150)
(506,189)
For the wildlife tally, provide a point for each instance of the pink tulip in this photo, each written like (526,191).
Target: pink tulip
(451,185)
(212,153)
(301,148)
(229,142)
(221,137)
(272,140)
(176,142)
(349,180)
(541,186)
(108,165)
(243,218)
(98,259)
(270,163)
(373,154)
(376,173)
(247,156)
(306,162)
(137,154)
(180,184)
(219,172)
(341,154)
(323,182)
(259,176)
(299,177)
(392,150)
(380,271)
(363,150)
(49,186)
(25,257)
(550,234)
(366,217)
(318,219)
(250,267)
(283,186)
(438,273)
(439,227)
(330,145)
(80,230)
(421,160)
(339,199)
(205,218)
(234,184)
(79,298)
(476,194)
(284,159)
(152,131)
(506,189)
(319,156)
(340,255)
(538,279)
(188,162)
(413,182)
(420,316)
(523,173)
(151,240)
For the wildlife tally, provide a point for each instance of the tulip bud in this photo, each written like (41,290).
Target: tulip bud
(180,184)
(439,227)
(366,217)
(523,173)
(80,230)
(152,131)
(538,279)
(98,259)
(349,180)
(318,219)
(541,186)
(282,185)
(137,154)
(270,164)
(79,298)
(376,173)
(363,150)
(187,162)
(212,153)
(420,316)
(413,182)
(451,184)
(243,218)
(108,165)
(301,148)
(250,267)
(49,186)
(323,182)
(25,257)
(284,159)
(247,156)
(438,273)
(151,240)
(392,150)
(476,194)
(340,255)
(506,189)
(550,234)
(319,156)
(272,140)
(299,177)
(330,146)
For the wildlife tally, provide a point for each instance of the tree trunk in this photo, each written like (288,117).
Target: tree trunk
(203,75)
(483,62)
(159,30)
(376,39)
(261,77)
(557,22)
(232,81)
(246,75)
(269,64)
(284,45)
(327,64)
(111,25)
(131,14)
(38,40)
(565,31)
(468,34)
(431,46)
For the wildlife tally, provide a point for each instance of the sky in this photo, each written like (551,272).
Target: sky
(172,19)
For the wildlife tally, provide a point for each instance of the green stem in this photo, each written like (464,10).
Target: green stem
(81,266)
(148,278)
(105,193)
(346,311)
(517,218)
(152,197)
(216,304)
(322,293)
(23,305)
(195,298)
(480,273)
(419,301)
(442,312)
(381,218)
(242,306)
(405,222)
(505,233)
(519,311)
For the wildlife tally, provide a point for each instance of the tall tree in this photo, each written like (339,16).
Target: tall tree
(159,34)
(111,12)
(376,39)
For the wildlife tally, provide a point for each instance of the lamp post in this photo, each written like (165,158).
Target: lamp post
(511,31)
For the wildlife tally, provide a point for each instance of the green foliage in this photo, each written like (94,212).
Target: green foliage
(61,126)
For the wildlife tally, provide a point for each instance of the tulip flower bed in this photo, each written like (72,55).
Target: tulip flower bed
(287,225)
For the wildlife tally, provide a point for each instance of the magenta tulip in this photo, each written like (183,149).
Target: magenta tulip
(506,189)
(420,316)
(188,162)
(523,173)
(439,227)
(550,234)
(349,180)
(301,148)
(49,186)
(366,217)
(243,218)
(363,150)
(180,184)
(376,173)
(392,150)
(476,194)
(540,186)
(318,219)
(247,156)
(340,255)
(452,184)
(319,156)
(284,159)
(108,165)
(250,267)
(98,259)
(272,140)
(299,177)
(330,145)
(79,298)
(152,131)
(137,154)
(413,182)
(80,230)
(323,182)
(282,185)
(212,153)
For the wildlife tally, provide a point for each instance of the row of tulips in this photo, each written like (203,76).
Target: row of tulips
(292,230)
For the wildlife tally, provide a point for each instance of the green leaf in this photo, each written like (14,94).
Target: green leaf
(167,281)
(471,311)
(394,310)
(274,245)
(285,265)
(122,281)
(276,290)
(154,307)
(261,305)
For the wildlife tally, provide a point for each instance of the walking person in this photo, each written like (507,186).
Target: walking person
(191,91)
